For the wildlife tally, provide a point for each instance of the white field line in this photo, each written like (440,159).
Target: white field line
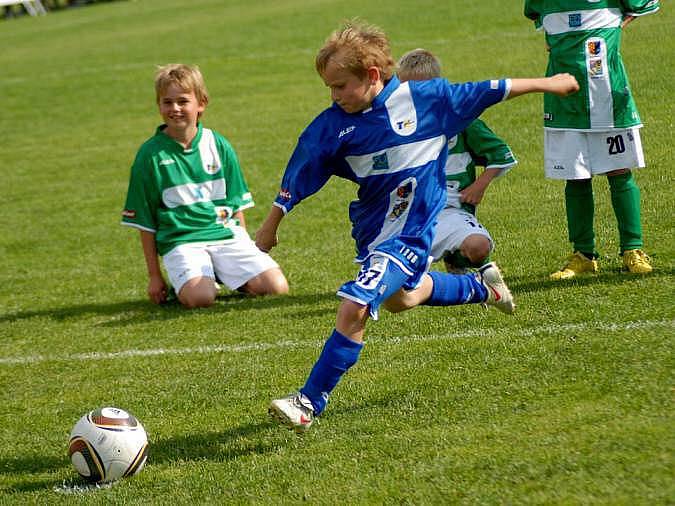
(243,348)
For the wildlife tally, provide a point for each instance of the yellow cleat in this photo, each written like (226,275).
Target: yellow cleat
(636,261)
(576,264)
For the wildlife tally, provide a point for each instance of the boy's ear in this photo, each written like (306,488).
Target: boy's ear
(374,74)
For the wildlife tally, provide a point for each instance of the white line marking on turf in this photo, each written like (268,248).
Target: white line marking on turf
(243,348)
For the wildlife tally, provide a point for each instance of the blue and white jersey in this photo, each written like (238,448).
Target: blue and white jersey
(395,151)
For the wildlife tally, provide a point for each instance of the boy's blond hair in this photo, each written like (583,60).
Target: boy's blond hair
(418,65)
(187,77)
(356,47)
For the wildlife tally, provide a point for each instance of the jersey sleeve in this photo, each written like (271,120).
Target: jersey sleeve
(465,102)
(140,208)
(532,11)
(639,7)
(237,196)
(308,169)
(487,149)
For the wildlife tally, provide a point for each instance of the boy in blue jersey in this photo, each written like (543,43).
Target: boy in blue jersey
(391,140)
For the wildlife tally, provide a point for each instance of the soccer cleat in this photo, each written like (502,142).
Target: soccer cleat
(499,295)
(295,412)
(636,261)
(577,263)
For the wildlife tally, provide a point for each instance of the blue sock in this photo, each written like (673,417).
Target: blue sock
(338,355)
(455,289)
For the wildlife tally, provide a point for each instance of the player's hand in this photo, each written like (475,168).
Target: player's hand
(563,84)
(266,239)
(472,194)
(157,290)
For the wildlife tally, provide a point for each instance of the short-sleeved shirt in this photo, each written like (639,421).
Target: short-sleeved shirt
(395,151)
(185,195)
(476,145)
(584,37)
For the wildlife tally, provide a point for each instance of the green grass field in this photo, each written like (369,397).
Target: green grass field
(570,401)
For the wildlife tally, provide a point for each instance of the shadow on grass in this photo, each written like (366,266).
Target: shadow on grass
(217,446)
(32,465)
(128,312)
(525,284)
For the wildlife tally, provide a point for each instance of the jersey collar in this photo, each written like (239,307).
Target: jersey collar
(175,145)
(386,92)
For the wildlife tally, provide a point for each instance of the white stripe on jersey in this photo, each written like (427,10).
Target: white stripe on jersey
(600,101)
(397,213)
(457,163)
(208,152)
(401,110)
(563,22)
(191,193)
(397,158)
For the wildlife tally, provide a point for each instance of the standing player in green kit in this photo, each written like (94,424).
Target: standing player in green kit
(595,131)
(187,195)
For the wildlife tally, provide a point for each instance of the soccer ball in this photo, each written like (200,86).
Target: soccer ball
(108,444)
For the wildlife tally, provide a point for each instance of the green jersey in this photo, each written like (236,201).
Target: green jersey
(476,145)
(185,195)
(584,37)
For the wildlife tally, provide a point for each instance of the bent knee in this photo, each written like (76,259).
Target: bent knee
(476,248)
(270,282)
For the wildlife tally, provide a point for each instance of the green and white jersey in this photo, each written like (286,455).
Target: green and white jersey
(185,195)
(584,37)
(476,145)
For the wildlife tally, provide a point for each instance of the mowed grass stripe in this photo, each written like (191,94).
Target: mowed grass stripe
(243,348)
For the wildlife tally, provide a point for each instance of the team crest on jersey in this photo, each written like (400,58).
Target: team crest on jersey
(574,20)
(211,168)
(403,198)
(594,47)
(380,162)
(595,68)
(405,125)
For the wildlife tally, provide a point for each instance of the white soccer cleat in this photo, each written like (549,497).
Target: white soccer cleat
(499,295)
(295,412)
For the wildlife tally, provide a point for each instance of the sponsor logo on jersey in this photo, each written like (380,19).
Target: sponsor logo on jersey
(345,131)
(594,47)
(405,124)
(595,68)
(129,213)
(167,162)
(574,20)
(285,194)
(380,162)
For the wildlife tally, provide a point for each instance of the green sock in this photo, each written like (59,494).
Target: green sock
(580,208)
(626,203)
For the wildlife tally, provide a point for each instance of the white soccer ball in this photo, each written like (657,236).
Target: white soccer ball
(108,444)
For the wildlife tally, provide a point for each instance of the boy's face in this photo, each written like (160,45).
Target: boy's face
(350,92)
(179,109)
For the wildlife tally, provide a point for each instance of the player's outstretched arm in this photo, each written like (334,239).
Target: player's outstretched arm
(266,236)
(559,84)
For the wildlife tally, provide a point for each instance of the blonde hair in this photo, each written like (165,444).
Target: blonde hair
(187,77)
(356,47)
(418,65)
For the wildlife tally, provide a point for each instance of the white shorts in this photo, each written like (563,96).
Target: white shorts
(234,261)
(453,226)
(572,154)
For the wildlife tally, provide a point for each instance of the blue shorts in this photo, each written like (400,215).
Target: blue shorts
(379,278)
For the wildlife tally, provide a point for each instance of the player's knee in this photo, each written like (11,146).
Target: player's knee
(198,293)
(476,248)
(270,282)
(399,302)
